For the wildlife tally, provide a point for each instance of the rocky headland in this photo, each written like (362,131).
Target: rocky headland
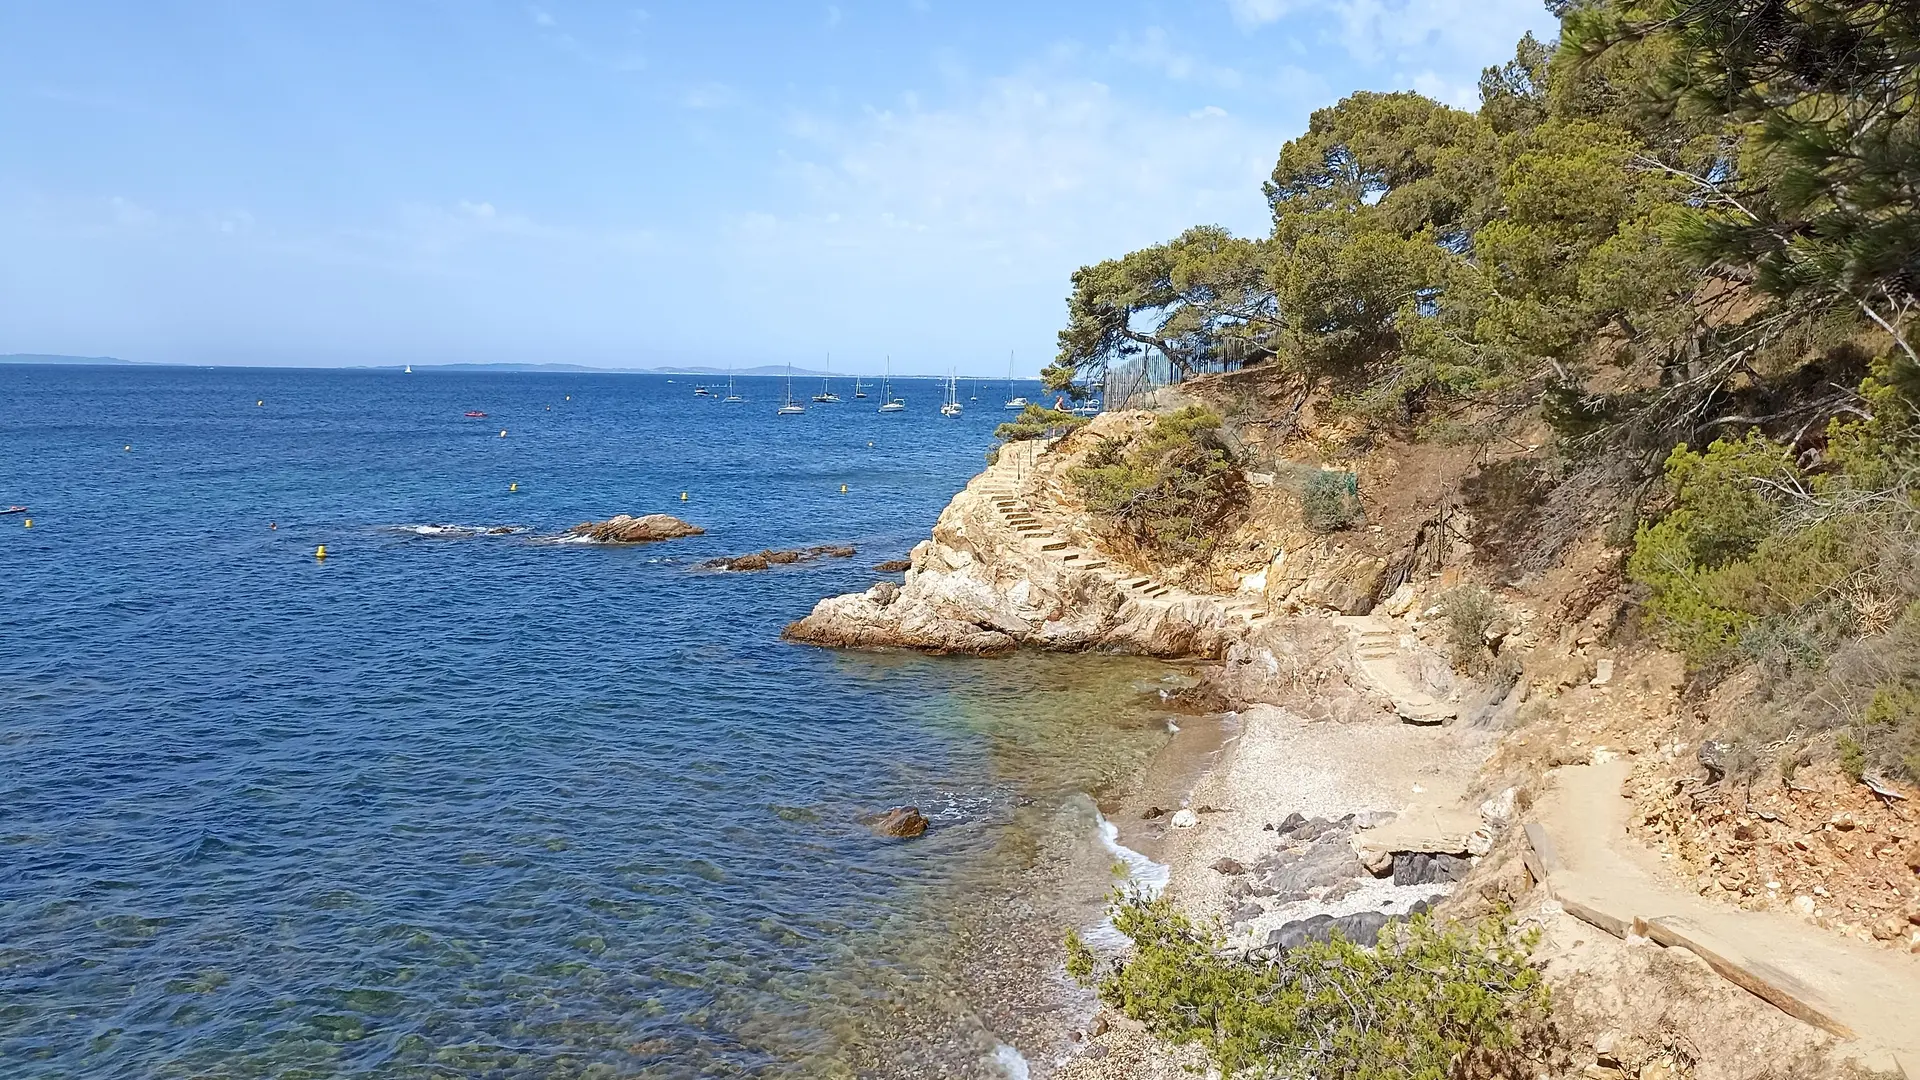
(1378,761)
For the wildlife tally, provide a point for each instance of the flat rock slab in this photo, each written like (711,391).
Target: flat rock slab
(1423,828)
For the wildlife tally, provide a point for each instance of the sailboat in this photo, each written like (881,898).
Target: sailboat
(826,396)
(975,387)
(731,398)
(409,370)
(1015,402)
(889,403)
(952,407)
(792,407)
(857,392)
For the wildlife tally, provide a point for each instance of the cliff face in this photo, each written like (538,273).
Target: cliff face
(1014,560)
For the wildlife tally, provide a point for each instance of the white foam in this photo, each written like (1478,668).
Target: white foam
(1146,879)
(1149,878)
(455,530)
(1012,1063)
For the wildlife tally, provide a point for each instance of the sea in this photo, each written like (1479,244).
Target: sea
(465,799)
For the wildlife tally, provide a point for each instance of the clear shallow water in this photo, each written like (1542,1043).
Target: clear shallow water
(488,806)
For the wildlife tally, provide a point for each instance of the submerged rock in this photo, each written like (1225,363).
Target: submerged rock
(901,822)
(760,560)
(893,566)
(626,529)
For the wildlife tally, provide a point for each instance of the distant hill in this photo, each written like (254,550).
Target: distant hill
(762,369)
(52,358)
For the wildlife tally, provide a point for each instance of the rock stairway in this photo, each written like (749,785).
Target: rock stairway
(1007,494)
(1376,652)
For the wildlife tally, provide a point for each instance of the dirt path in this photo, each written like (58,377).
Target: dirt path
(1600,874)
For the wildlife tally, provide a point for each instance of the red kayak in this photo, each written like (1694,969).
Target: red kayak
(470,412)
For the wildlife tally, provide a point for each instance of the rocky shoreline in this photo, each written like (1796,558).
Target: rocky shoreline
(1345,773)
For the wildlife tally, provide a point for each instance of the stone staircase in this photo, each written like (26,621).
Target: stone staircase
(1376,650)
(1005,486)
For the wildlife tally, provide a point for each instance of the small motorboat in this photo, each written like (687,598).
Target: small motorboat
(14,510)
(475,413)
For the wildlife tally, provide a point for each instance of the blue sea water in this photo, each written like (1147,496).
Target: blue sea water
(459,804)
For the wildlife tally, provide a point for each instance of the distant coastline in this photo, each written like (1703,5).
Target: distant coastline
(504,366)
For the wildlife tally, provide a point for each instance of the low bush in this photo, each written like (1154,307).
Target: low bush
(1418,1005)
(1330,501)
(1812,574)
(1173,490)
(1469,611)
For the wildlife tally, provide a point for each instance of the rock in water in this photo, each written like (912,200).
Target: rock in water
(904,822)
(760,560)
(626,529)
(894,566)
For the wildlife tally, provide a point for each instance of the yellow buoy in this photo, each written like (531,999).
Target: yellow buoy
(29,523)
(683,496)
(320,552)
(843,489)
(513,487)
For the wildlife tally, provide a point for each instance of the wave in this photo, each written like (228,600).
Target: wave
(1012,1063)
(457,532)
(1145,878)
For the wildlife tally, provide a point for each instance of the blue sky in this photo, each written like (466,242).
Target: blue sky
(370,181)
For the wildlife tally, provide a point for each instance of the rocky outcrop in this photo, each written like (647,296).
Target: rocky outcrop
(626,529)
(893,566)
(995,576)
(761,560)
(901,823)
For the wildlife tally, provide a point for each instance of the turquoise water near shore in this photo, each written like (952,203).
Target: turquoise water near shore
(457,804)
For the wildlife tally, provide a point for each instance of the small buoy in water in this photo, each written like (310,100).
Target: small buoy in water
(843,489)
(549,408)
(569,397)
(513,487)
(683,496)
(503,433)
(29,523)
(262,401)
(129,446)
(273,525)
(320,552)
(869,446)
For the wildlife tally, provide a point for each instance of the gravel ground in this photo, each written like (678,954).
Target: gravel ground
(1274,764)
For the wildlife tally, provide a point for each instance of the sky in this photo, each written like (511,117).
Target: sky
(379,181)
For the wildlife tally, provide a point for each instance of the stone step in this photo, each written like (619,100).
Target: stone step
(1054,545)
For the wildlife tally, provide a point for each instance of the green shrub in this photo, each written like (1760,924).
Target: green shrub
(1037,421)
(1173,490)
(1470,611)
(1330,501)
(1416,1006)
